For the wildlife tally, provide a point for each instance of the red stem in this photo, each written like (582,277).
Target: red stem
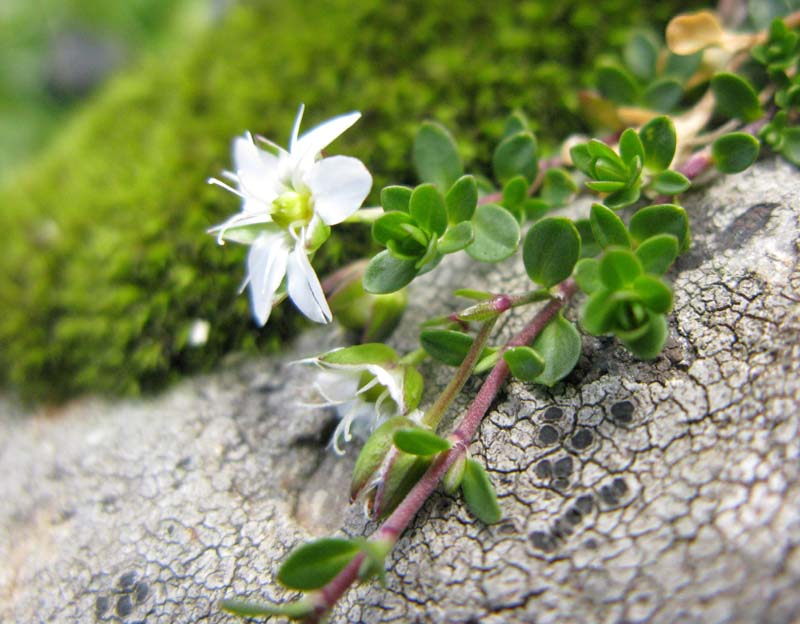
(401,517)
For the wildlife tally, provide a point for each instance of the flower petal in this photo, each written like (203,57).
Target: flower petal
(266,267)
(256,170)
(319,137)
(304,287)
(339,185)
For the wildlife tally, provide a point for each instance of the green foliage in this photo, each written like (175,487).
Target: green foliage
(374,452)
(479,493)
(447,345)
(105,266)
(314,564)
(295,610)
(497,234)
(734,152)
(516,156)
(524,363)
(418,441)
(608,228)
(552,247)
(435,156)
(735,97)
(657,253)
(659,142)
(559,345)
(661,219)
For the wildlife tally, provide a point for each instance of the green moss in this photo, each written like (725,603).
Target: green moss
(104,263)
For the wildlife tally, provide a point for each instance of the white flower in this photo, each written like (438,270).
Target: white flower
(365,394)
(289,201)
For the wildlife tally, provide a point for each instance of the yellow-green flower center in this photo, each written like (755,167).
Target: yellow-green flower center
(292,207)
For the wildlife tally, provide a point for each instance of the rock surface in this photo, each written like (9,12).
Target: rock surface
(666,491)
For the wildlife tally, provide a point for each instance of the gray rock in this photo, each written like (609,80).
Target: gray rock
(664,491)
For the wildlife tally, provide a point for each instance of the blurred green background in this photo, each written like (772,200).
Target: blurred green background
(114,112)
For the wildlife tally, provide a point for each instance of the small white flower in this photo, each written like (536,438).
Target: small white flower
(364,394)
(289,201)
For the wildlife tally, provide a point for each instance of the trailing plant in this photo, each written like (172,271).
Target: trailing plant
(727,94)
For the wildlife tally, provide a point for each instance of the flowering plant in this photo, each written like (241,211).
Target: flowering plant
(675,114)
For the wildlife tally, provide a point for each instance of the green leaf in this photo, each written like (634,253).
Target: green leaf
(790,145)
(374,562)
(496,234)
(435,156)
(559,345)
(631,147)
(515,192)
(471,293)
(551,249)
(640,55)
(315,564)
(395,198)
(489,358)
(624,197)
(663,95)
(402,475)
(654,293)
(461,199)
(420,442)
(619,267)
(606,186)
(557,187)
(610,160)
(648,344)
(524,363)
(657,253)
(446,345)
(670,183)
(516,155)
(295,610)
(582,158)
(535,208)
(597,316)
(385,273)
(371,457)
(734,152)
(390,226)
(516,122)
(456,238)
(479,494)
(428,209)
(589,246)
(735,97)
(587,274)
(659,140)
(660,219)
(361,355)
(608,228)
(617,85)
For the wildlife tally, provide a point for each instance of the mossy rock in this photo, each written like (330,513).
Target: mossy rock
(104,264)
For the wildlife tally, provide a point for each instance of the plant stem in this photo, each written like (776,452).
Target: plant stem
(401,517)
(435,412)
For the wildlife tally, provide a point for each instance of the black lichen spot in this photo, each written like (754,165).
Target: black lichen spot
(573,515)
(184,463)
(127,580)
(124,606)
(542,541)
(585,503)
(544,469)
(608,495)
(619,486)
(101,605)
(561,529)
(548,435)
(563,467)
(140,592)
(582,439)
(561,483)
(590,543)
(622,412)
(553,413)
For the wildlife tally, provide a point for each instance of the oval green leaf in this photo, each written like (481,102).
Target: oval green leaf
(654,293)
(371,457)
(435,156)
(552,247)
(479,494)
(670,183)
(386,274)
(496,234)
(735,97)
(395,198)
(658,253)
(428,209)
(648,344)
(734,152)
(456,238)
(516,155)
(659,140)
(557,187)
(619,267)
(418,441)
(461,199)
(315,564)
(524,363)
(617,85)
(660,219)
(587,275)
(608,228)
(559,345)
(446,345)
